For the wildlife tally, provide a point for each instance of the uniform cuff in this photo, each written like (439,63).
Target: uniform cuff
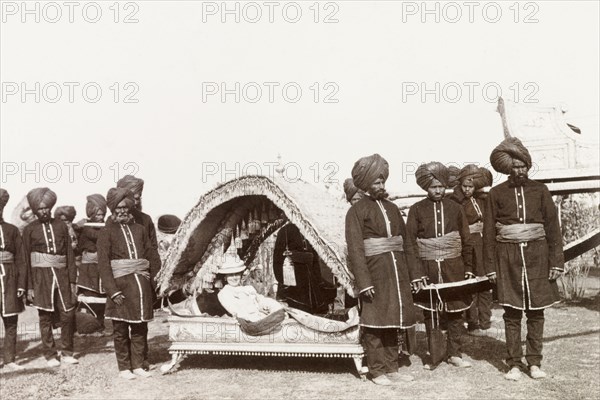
(367,288)
(116,294)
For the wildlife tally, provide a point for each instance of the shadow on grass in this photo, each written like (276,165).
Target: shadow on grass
(591,303)
(81,345)
(322,365)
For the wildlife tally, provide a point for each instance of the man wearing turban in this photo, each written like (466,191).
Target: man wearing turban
(67,215)
(383,267)
(472,179)
(52,274)
(127,268)
(438,231)
(523,253)
(13,282)
(136,185)
(88,280)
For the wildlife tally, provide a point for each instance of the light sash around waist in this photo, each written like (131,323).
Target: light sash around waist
(477,227)
(7,257)
(45,260)
(375,246)
(440,248)
(128,266)
(519,233)
(89,257)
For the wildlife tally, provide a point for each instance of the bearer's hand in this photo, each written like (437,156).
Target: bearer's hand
(30,295)
(20,292)
(469,275)
(119,299)
(492,278)
(554,274)
(369,294)
(417,286)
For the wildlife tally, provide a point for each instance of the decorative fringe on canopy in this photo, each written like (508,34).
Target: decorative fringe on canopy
(319,217)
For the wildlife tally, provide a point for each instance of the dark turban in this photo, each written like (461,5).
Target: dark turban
(488,178)
(510,148)
(117,195)
(168,223)
(368,169)
(453,176)
(482,178)
(94,203)
(470,173)
(68,211)
(4,196)
(350,189)
(426,173)
(37,196)
(136,185)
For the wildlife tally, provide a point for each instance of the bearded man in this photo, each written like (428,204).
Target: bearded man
(127,269)
(383,267)
(52,274)
(523,253)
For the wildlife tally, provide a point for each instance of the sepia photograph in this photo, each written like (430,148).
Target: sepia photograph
(309,199)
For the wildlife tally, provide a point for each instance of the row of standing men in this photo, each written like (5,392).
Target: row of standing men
(513,237)
(118,262)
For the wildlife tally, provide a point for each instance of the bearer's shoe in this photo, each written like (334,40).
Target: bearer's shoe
(53,362)
(459,362)
(382,380)
(513,375)
(69,360)
(12,367)
(144,374)
(536,372)
(127,375)
(398,377)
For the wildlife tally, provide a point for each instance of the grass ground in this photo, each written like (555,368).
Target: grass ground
(571,359)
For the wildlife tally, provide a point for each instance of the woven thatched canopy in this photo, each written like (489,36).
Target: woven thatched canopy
(270,203)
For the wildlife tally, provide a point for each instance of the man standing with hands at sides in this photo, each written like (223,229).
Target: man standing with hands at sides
(136,185)
(523,253)
(13,282)
(52,274)
(127,270)
(383,267)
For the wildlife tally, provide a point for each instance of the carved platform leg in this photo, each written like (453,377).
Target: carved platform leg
(362,371)
(172,366)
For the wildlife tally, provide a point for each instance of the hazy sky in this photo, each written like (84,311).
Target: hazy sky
(368,70)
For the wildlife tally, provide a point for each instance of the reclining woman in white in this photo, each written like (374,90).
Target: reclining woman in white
(243,301)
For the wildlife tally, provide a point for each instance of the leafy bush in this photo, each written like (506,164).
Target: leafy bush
(579,216)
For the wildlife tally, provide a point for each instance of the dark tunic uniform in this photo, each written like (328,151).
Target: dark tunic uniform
(389,273)
(146,221)
(523,270)
(479,315)
(89,276)
(50,238)
(428,219)
(52,286)
(14,274)
(137,289)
